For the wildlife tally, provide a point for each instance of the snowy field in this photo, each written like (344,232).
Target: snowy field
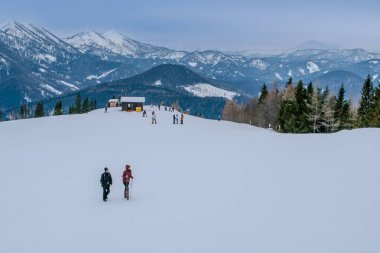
(204,186)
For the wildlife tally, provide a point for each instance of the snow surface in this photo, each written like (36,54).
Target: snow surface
(51,89)
(192,64)
(91,77)
(204,186)
(312,67)
(27,99)
(46,57)
(157,83)
(208,90)
(259,64)
(71,86)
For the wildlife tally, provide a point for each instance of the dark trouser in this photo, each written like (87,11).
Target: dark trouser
(126,189)
(106,191)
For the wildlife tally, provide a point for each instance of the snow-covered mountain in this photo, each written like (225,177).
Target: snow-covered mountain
(205,186)
(36,64)
(112,44)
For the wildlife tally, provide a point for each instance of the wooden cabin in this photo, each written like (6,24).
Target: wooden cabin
(132,104)
(113,102)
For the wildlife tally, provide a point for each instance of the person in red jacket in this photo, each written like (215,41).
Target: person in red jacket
(127,176)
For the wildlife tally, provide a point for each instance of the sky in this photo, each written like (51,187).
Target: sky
(210,24)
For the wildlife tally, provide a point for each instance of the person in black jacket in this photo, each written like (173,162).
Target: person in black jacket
(106,181)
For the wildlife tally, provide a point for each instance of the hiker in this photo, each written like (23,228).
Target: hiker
(176,118)
(106,181)
(154,119)
(159,107)
(181,118)
(219,118)
(105,109)
(173,118)
(144,113)
(127,176)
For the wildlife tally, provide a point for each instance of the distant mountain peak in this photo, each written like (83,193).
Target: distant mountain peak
(114,36)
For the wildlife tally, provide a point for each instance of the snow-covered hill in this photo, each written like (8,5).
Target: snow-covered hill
(204,186)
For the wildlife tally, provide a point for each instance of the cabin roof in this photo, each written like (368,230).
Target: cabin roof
(133,99)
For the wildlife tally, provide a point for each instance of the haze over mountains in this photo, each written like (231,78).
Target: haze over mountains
(36,64)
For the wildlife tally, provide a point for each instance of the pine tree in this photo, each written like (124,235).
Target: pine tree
(58,108)
(342,110)
(289,82)
(286,116)
(288,108)
(263,93)
(93,105)
(367,104)
(78,104)
(376,113)
(39,111)
(22,112)
(301,125)
(85,106)
(310,91)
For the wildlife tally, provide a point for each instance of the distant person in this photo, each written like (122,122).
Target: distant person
(127,176)
(105,109)
(219,118)
(173,118)
(144,113)
(106,181)
(166,108)
(159,107)
(154,118)
(181,118)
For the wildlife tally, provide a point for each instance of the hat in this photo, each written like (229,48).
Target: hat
(105,168)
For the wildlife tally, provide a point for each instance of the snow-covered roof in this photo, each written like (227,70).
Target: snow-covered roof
(113,100)
(133,99)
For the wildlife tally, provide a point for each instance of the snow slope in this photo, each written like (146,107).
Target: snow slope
(208,90)
(204,186)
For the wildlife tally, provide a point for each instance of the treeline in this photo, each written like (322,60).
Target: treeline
(39,109)
(300,109)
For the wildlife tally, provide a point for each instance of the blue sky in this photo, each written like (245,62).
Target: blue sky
(212,24)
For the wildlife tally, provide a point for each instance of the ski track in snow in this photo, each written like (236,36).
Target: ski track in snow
(204,186)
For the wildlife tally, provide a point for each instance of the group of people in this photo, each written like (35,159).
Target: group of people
(175,118)
(106,182)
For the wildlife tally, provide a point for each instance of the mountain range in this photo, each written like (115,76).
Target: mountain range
(36,64)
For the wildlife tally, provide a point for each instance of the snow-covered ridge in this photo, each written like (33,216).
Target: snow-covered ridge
(208,90)
(51,89)
(278,76)
(259,64)
(91,77)
(71,86)
(46,57)
(312,67)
